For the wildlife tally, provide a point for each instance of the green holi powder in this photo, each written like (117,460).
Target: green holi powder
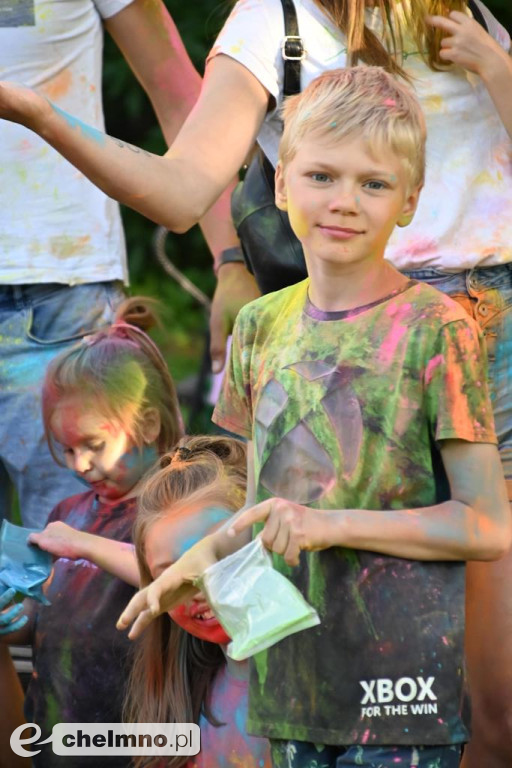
(261,662)
(351,556)
(65,660)
(53,712)
(316,586)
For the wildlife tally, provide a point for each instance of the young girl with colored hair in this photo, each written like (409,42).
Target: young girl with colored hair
(180,671)
(109,409)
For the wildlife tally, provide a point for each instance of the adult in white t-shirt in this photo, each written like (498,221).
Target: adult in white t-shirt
(62,251)
(460,238)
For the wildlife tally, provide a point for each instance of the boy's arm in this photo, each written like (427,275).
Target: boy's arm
(474,525)
(175,190)
(115,557)
(468,45)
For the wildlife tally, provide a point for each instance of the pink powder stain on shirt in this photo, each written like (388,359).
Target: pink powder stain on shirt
(431,367)
(397,331)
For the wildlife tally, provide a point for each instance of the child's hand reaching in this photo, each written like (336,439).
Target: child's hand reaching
(61,540)
(289,527)
(467,44)
(173,587)
(10,619)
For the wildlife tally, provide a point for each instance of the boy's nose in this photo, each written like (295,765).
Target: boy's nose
(345,200)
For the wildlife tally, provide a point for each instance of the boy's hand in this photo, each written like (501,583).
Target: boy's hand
(173,587)
(60,540)
(10,619)
(467,44)
(289,527)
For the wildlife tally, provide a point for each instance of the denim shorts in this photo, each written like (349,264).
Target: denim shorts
(37,322)
(486,294)
(302,754)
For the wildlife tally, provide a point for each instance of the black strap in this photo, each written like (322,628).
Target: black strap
(477,14)
(292,49)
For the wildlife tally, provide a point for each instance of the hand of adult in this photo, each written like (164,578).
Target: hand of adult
(235,287)
(467,44)
(21,105)
(173,587)
(10,618)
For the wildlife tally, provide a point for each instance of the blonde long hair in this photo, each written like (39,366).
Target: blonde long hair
(173,672)
(364,46)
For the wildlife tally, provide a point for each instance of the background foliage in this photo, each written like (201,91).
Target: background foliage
(130,117)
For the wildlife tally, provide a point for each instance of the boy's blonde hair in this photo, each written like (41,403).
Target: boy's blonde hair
(359,101)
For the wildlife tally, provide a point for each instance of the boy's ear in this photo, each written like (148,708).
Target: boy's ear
(409,208)
(151,424)
(281,198)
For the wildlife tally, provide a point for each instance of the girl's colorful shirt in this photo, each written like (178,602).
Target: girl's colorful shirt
(347,414)
(81,661)
(229,745)
(464,217)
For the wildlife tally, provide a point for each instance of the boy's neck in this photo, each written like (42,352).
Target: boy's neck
(336,288)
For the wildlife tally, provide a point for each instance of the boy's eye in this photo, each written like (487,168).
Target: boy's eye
(320,177)
(375,185)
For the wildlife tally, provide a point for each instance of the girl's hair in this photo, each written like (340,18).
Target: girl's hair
(359,101)
(363,45)
(121,368)
(173,671)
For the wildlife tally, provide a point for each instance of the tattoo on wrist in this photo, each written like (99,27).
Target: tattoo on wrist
(131,147)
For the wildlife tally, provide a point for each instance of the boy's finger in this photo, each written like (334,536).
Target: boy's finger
(7,597)
(253,515)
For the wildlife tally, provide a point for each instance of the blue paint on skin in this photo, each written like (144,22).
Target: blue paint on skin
(86,130)
(210,517)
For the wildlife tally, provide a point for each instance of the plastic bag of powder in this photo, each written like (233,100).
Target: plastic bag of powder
(256,605)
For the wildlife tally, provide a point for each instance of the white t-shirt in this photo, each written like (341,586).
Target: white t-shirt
(464,216)
(55,226)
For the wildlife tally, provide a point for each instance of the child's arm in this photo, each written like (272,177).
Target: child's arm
(468,45)
(115,557)
(175,190)
(11,706)
(474,525)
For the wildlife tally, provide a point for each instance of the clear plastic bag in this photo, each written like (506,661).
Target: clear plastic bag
(22,565)
(256,605)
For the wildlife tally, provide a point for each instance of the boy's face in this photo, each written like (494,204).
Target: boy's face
(342,201)
(166,541)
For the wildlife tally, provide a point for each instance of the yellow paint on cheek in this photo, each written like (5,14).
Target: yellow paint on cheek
(297,221)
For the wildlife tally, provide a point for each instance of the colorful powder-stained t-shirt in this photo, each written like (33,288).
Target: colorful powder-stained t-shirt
(346,411)
(229,745)
(81,662)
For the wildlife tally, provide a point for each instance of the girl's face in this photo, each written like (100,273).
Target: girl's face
(99,451)
(166,541)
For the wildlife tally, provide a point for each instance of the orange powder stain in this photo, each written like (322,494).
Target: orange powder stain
(62,247)
(59,85)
